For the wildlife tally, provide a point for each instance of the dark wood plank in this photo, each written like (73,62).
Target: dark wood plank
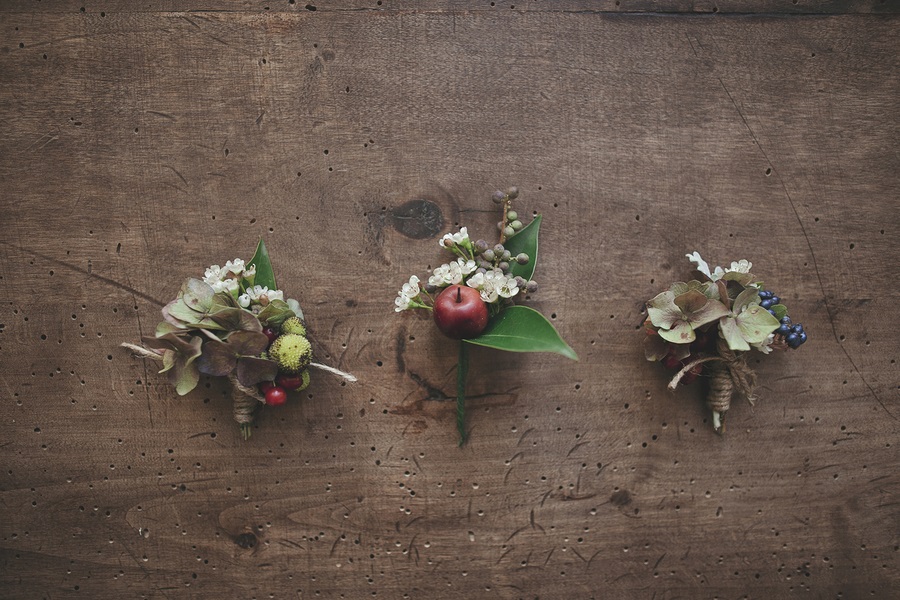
(106,8)
(137,148)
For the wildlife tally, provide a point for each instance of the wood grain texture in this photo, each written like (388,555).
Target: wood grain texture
(138,147)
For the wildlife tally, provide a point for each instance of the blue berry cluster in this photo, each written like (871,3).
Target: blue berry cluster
(793,334)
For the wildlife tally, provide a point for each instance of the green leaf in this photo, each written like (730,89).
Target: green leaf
(681,333)
(780,311)
(265,276)
(523,329)
(525,241)
(745,298)
(275,313)
(663,311)
(756,323)
(732,334)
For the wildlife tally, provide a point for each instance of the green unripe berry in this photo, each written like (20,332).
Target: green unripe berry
(522,259)
(293,325)
(499,250)
(488,255)
(509,231)
(512,215)
(513,193)
(517,225)
(292,352)
(507,255)
(504,266)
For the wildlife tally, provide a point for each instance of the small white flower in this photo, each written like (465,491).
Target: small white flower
(459,238)
(408,293)
(275,295)
(466,266)
(508,288)
(704,268)
(226,285)
(764,346)
(235,266)
(213,274)
(742,266)
(244,300)
(448,274)
(411,289)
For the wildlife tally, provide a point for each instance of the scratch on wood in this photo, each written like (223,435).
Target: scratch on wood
(180,176)
(161,114)
(89,273)
(812,254)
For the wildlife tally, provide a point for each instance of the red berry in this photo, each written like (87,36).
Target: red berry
(290,382)
(276,396)
(265,386)
(460,313)
(270,333)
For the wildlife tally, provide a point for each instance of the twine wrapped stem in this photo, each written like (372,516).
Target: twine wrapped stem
(728,374)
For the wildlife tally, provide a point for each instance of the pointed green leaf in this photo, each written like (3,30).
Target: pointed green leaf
(265,276)
(525,241)
(780,311)
(681,333)
(188,377)
(756,323)
(523,329)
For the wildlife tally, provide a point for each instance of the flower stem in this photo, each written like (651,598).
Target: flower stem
(506,205)
(462,369)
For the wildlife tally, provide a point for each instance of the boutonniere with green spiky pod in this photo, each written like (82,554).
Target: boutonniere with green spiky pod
(473,298)
(234,322)
(707,327)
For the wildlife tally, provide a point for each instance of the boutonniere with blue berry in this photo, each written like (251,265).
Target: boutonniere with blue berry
(234,322)
(473,297)
(707,327)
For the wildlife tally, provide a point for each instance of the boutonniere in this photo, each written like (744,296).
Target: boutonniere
(705,328)
(473,297)
(234,322)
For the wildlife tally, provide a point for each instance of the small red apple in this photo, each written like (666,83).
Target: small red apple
(459,312)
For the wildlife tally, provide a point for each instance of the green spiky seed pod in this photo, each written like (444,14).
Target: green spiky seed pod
(292,352)
(293,325)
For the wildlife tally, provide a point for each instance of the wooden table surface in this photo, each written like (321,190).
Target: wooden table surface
(142,142)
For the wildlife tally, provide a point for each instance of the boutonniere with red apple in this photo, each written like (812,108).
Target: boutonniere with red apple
(473,297)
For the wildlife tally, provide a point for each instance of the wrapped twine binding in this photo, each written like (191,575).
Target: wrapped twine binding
(729,374)
(245,400)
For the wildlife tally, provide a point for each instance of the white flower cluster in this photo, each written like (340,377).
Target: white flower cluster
(407,298)
(452,273)
(741,266)
(227,278)
(493,284)
(259,294)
